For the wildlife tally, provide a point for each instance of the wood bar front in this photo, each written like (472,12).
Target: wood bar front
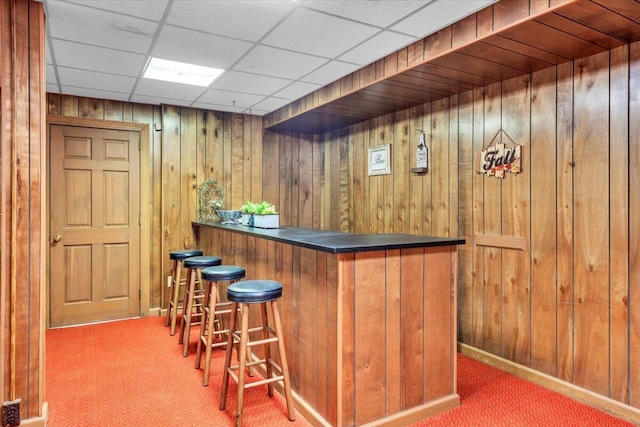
(370,333)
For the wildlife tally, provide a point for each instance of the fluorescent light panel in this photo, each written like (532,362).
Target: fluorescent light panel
(180,72)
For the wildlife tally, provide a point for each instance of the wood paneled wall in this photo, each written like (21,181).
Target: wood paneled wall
(187,146)
(568,305)
(22,203)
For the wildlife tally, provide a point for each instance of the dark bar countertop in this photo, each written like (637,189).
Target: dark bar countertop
(336,242)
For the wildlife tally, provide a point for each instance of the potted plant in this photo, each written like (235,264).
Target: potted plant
(263,215)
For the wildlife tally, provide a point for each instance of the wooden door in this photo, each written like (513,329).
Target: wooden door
(94,224)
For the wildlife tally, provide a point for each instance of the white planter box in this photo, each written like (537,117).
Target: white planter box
(245,218)
(265,221)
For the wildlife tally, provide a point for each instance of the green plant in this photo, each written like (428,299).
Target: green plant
(262,208)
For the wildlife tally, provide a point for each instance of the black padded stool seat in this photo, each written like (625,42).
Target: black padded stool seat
(194,293)
(215,311)
(223,272)
(200,261)
(176,283)
(254,291)
(187,253)
(264,293)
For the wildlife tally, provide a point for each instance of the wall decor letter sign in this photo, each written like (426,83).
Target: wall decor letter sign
(499,158)
(379,161)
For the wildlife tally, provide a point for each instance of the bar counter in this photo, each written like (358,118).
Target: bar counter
(369,319)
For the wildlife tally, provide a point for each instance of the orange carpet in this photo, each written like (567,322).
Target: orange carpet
(132,373)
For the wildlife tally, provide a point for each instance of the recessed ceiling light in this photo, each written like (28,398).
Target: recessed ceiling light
(180,72)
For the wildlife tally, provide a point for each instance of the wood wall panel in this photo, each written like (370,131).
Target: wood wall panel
(187,146)
(566,305)
(634,227)
(569,295)
(544,354)
(591,225)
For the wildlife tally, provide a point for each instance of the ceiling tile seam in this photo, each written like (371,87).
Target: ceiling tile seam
(111,11)
(161,24)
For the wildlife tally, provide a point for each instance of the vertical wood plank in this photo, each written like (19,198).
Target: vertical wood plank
(634,226)
(412,327)
(305,182)
(440,191)
(416,189)
(492,225)
(543,222)
(369,338)
(400,158)
(564,202)
(91,108)
(591,193)
(465,217)
(516,301)
(188,200)
(619,220)
(113,110)
(438,358)
(478,221)
(393,333)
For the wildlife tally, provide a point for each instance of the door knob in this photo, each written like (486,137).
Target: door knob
(57,238)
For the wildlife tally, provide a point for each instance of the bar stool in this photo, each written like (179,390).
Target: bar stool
(176,283)
(242,294)
(193,295)
(213,311)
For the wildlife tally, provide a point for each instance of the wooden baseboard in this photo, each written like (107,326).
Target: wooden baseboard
(590,398)
(422,412)
(37,421)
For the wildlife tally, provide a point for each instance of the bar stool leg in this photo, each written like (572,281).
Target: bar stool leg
(227,357)
(211,299)
(267,347)
(172,311)
(185,328)
(244,338)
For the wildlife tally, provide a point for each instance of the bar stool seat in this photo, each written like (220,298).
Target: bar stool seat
(176,283)
(194,294)
(242,294)
(214,312)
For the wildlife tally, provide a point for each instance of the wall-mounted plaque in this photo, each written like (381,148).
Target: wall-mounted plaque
(379,160)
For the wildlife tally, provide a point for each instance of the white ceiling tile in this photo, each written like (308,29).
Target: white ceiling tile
(77,55)
(101,28)
(149,9)
(380,13)
(330,72)
(95,80)
(168,90)
(438,15)
(306,31)
(245,20)
(50,74)
(92,93)
(270,62)
(297,90)
(52,88)
(384,43)
(178,44)
(235,99)
(250,83)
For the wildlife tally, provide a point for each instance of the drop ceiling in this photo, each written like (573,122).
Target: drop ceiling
(274,52)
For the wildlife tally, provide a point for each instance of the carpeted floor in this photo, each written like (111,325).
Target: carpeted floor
(132,373)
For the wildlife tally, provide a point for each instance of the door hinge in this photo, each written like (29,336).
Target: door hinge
(139,219)
(140,294)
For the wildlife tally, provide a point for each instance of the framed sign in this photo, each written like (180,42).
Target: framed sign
(379,161)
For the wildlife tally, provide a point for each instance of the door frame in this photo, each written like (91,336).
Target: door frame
(146,191)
